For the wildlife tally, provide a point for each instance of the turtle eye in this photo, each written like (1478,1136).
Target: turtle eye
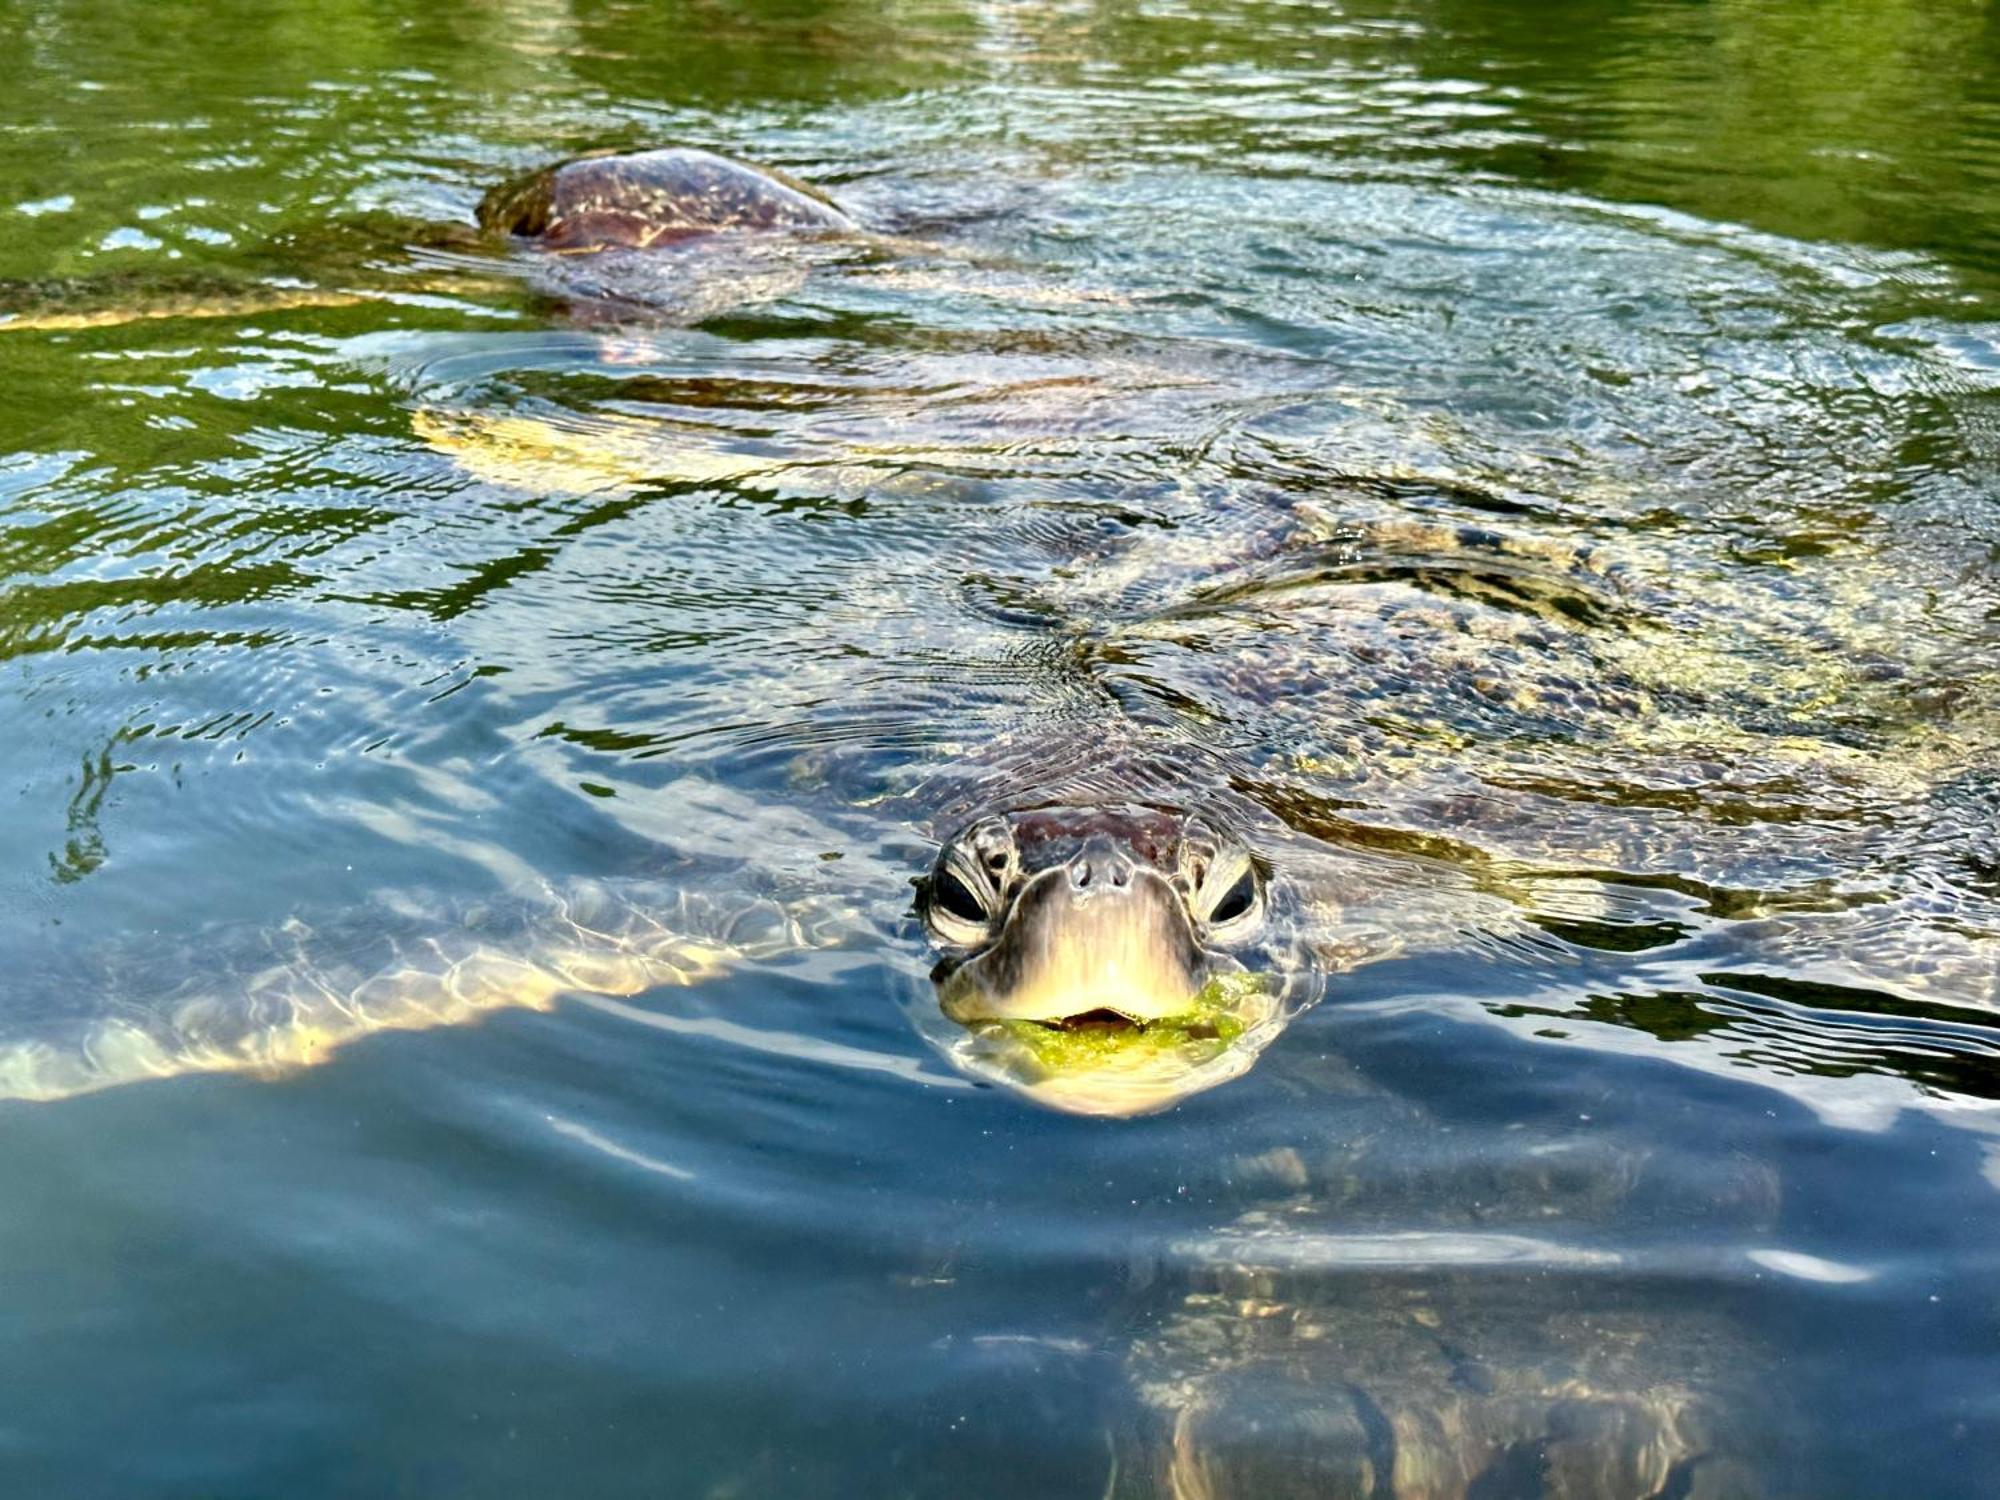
(1236,901)
(949,895)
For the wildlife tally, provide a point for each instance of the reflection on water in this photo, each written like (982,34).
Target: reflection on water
(1529,470)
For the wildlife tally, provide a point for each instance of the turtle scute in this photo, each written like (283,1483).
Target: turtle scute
(639,200)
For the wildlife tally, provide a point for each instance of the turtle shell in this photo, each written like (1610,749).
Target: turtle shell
(637,200)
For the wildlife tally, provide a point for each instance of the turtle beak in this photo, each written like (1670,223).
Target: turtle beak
(1098,935)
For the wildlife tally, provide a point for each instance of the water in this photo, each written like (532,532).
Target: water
(1541,457)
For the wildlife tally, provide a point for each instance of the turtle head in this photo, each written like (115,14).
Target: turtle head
(1093,957)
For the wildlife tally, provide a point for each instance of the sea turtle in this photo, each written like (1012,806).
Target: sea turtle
(1126,904)
(608,234)
(663,236)
(1273,731)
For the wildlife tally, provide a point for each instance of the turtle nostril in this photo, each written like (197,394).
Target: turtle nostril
(1100,863)
(1100,870)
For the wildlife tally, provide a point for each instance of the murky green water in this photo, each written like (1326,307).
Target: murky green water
(1535,462)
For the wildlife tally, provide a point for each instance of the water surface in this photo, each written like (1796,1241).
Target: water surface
(1543,456)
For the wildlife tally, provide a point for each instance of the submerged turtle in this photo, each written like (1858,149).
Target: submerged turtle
(1342,1341)
(1123,912)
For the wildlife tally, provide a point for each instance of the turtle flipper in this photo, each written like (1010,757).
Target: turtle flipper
(271,1001)
(52,307)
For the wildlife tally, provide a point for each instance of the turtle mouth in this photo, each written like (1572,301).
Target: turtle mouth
(1105,1019)
(1213,1016)
(1102,1061)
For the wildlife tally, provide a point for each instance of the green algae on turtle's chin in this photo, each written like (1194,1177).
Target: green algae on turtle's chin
(1130,1069)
